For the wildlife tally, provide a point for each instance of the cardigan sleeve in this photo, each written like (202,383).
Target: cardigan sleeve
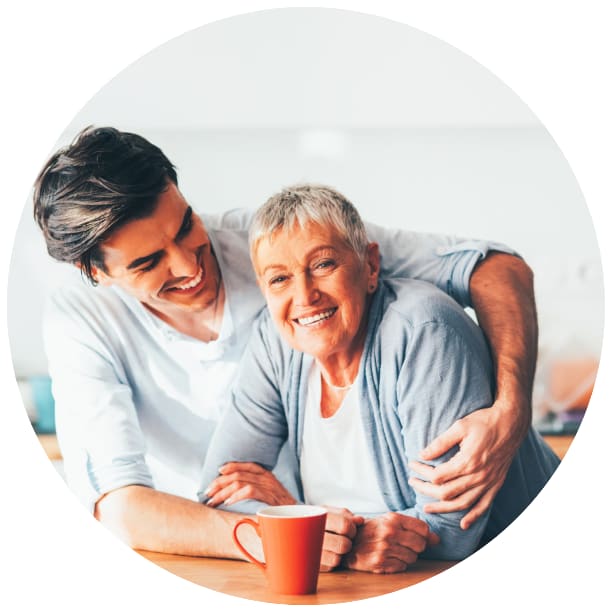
(445,375)
(254,427)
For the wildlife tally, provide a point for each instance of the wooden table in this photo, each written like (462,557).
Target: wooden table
(50,446)
(246,580)
(559,444)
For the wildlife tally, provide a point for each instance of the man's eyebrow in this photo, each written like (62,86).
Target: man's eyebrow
(139,261)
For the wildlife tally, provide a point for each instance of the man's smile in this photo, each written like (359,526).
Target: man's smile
(191,284)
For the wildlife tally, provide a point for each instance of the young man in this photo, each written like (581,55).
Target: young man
(141,364)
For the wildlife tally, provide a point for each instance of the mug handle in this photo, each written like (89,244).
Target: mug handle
(244,551)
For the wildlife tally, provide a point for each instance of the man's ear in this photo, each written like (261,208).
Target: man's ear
(99,276)
(372,265)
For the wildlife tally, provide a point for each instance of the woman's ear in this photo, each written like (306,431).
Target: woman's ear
(372,266)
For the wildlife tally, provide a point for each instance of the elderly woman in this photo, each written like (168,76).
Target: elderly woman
(357,375)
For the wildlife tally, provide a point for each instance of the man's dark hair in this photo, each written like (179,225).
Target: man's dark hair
(87,190)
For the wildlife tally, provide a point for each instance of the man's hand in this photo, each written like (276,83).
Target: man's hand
(340,530)
(238,481)
(501,288)
(488,440)
(389,543)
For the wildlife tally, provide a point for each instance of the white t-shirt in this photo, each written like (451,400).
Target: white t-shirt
(336,466)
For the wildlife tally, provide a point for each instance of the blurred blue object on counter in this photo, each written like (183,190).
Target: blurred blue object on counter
(44,404)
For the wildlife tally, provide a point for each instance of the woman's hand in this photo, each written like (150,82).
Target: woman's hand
(239,481)
(340,530)
(488,440)
(389,543)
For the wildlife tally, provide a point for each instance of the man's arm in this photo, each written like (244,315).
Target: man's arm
(102,443)
(147,519)
(504,301)
(501,288)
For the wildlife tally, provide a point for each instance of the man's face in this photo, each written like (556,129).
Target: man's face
(163,260)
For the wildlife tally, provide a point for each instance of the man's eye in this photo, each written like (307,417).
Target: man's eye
(186,227)
(149,266)
(277,280)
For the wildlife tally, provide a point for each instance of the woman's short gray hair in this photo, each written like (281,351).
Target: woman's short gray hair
(309,203)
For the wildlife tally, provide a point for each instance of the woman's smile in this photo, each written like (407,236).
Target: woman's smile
(317,319)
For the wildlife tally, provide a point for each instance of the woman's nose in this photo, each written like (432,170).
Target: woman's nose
(306,291)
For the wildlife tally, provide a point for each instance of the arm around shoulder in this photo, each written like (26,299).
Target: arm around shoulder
(447,376)
(502,294)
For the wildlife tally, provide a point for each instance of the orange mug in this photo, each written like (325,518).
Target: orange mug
(292,538)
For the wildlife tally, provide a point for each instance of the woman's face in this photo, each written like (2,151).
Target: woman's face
(316,288)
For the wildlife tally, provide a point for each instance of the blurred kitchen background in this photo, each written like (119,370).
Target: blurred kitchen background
(414,132)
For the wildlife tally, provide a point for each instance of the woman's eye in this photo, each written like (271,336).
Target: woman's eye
(325,264)
(277,280)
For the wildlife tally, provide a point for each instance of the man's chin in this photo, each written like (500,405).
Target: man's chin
(199,303)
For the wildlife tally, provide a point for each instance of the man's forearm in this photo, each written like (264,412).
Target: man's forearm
(147,519)
(502,294)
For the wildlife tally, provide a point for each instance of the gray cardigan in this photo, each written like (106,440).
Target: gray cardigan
(425,364)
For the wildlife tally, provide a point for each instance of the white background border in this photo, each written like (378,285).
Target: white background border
(554,55)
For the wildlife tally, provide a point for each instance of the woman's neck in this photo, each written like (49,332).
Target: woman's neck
(340,368)
(339,373)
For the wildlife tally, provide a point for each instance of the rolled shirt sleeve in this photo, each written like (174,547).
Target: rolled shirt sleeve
(445,261)
(100,439)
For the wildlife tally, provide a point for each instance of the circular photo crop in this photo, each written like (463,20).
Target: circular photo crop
(306,256)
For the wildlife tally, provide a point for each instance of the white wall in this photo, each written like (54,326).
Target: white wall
(412,131)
